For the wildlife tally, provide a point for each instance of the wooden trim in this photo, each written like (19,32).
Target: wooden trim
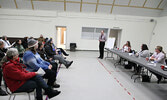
(81,6)
(113,4)
(64,5)
(129,2)
(79,2)
(160,3)
(144,3)
(97,5)
(138,7)
(32,4)
(16,4)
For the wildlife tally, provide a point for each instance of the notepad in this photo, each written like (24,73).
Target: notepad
(41,71)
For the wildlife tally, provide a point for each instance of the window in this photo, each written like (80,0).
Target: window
(92,33)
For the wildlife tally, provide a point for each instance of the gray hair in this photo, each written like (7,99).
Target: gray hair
(9,54)
(12,52)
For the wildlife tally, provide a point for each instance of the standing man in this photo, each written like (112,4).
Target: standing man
(102,40)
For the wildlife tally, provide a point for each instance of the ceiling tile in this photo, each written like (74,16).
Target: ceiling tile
(121,2)
(94,1)
(137,2)
(7,4)
(152,3)
(74,0)
(104,9)
(73,7)
(106,1)
(22,4)
(88,8)
(163,4)
(45,5)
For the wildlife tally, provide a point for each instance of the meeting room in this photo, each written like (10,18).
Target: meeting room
(83,49)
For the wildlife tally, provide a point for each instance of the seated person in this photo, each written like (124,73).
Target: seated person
(51,52)
(20,80)
(41,52)
(144,52)
(2,54)
(6,42)
(158,57)
(33,61)
(59,49)
(19,47)
(25,43)
(41,38)
(127,47)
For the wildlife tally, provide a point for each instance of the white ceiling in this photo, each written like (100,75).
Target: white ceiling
(121,7)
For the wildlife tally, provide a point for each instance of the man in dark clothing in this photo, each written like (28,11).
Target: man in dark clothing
(2,54)
(102,40)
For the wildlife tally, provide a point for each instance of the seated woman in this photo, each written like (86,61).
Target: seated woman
(51,52)
(143,53)
(2,54)
(43,55)
(33,61)
(158,57)
(20,80)
(19,47)
(127,47)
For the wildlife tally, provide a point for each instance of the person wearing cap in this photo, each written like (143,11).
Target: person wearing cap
(52,53)
(158,57)
(33,61)
(18,79)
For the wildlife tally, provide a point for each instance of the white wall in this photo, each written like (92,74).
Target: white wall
(160,34)
(20,23)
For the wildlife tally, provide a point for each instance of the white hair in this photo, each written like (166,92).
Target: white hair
(12,52)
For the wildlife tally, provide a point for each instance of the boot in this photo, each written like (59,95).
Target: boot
(68,65)
(56,85)
(52,93)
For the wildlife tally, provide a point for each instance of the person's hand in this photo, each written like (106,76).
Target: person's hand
(57,53)
(50,66)
(152,59)
(50,59)
(36,73)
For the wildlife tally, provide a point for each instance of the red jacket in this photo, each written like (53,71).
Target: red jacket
(15,75)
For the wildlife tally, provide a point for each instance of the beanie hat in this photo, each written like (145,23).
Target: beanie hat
(32,43)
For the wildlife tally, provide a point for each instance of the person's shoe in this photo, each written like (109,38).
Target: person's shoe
(66,54)
(67,66)
(52,93)
(2,92)
(159,80)
(56,86)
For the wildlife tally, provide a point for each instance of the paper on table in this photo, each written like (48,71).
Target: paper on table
(152,64)
(41,71)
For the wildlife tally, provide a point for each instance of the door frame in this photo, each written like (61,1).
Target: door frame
(119,37)
(65,36)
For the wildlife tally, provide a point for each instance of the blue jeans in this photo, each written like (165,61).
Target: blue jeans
(37,83)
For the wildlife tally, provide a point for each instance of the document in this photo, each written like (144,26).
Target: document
(41,71)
